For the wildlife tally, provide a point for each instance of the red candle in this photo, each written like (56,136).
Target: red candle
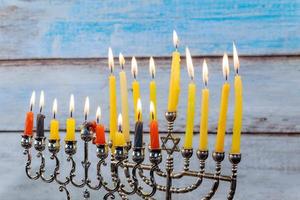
(100,135)
(28,130)
(154,136)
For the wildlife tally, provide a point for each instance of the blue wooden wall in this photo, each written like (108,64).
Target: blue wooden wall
(59,28)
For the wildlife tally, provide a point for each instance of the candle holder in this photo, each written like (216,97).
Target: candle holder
(135,170)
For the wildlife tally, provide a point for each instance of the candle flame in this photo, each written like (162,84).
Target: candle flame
(110,60)
(86,107)
(71,105)
(139,108)
(98,114)
(152,67)
(54,107)
(121,60)
(32,100)
(236,62)
(42,100)
(225,66)
(134,68)
(205,72)
(189,63)
(120,122)
(152,109)
(175,39)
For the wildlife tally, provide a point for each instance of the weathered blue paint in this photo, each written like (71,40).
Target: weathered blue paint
(87,28)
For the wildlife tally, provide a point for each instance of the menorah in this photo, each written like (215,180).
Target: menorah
(133,170)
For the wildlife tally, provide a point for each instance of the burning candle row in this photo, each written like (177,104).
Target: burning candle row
(120,134)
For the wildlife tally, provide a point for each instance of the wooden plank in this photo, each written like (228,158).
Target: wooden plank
(271,99)
(84,29)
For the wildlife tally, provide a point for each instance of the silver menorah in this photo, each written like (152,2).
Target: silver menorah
(133,170)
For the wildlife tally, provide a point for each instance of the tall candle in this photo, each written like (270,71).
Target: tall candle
(203,139)
(219,147)
(174,87)
(135,88)
(154,135)
(120,139)
(152,87)
(238,105)
(54,124)
(138,136)
(124,99)
(71,123)
(28,130)
(40,132)
(99,129)
(190,114)
(112,97)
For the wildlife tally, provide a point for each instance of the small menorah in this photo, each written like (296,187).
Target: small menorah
(133,170)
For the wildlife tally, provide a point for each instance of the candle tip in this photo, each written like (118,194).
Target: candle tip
(71,105)
(225,66)
(120,122)
(236,62)
(42,100)
(54,108)
(175,39)
(189,63)
(110,60)
(86,107)
(121,60)
(152,67)
(152,109)
(98,114)
(139,108)
(205,73)
(32,100)
(134,68)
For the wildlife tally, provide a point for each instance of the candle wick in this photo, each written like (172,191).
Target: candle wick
(111,70)
(152,75)
(152,115)
(205,84)
(122,67)
(237,71)
(85,117)
(97,120)
(54,115)
(41,108)
(71,114)
(134,76)
(31,107)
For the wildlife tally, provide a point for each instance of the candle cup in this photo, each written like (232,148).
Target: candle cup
(218,156)
(54,146)
(138,154)
(155,156)
(170,116)
(26,141)
(39,143)
(70,147)
(85,134)
(202,155)
(102,151)
(186,153)
(235,158)
(120,153)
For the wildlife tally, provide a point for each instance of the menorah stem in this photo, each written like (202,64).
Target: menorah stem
(235,159)
(169,170)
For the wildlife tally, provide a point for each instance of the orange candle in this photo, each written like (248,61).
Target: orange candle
(100,130)
(154,135)
(28,130)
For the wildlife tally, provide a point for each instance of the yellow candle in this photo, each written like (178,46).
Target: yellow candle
(135,88)
(238,106)
(71,123)
(152,87)
(203,139)
(189,130)
(219,147)
(124,99)
(174,87)
(119,137)
(112,98)
(54,124)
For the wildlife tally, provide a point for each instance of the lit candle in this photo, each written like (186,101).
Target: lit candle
(135,88)
(54,124)
(219,147)
(100,130)
(190,114)
(203,139)
(174,87)
(40,132)
(238,106)
(86,109)
(28,130)
(138,136)
(120,139)
(152,86)
(154,134)
(112,97)
(124,99)
(71,123)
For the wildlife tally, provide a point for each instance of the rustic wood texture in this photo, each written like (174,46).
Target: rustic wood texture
(271,98)
(87,28)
